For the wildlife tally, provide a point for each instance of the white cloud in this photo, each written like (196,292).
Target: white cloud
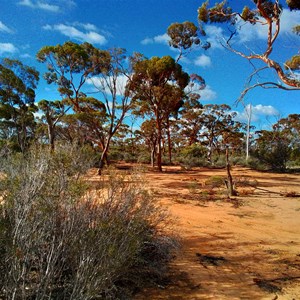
(257,112)
(208,93)
(72,32)
(147,41)
(266,110)
(214,35)
(248,32)
(40,5)
(4,28)
(25,55)
(159,39)
(101,84)
(288,20)
(203,61)
(86,26)
(7,48)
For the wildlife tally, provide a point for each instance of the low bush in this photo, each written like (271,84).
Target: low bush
(60,239)
(192,156)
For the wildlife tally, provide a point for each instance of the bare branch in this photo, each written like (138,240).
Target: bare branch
(265,85)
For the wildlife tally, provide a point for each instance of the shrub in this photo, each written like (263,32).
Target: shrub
(192,156)
(60,239)
(215,182)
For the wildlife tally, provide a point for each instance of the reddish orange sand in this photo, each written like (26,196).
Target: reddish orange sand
(257,243)
(247,247)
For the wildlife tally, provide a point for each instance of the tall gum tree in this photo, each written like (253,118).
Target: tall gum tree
(154,83)
(112,87)
(72,67)
(17,99)
(53,111)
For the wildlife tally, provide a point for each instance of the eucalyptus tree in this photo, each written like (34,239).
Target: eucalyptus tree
(74,68)
(112,86)
(290,127)
(157,88)
(17,101)
(217,126)
(70,66)
(53,111)
(149,134)
(273,148)
(183,36)
(265,13)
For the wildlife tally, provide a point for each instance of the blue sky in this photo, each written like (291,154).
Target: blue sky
(140,26)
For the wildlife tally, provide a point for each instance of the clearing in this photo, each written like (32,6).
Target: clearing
(246,247)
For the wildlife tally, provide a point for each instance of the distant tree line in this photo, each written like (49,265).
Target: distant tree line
(176,127)
(99,89)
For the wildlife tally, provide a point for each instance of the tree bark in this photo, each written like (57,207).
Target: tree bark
(159,138)
(104,157)
(229,182)
(169,143)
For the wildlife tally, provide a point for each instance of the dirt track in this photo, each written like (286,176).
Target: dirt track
(246,248)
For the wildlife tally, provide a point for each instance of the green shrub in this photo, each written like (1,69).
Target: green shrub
(192,156)
(215,181)
(60,239)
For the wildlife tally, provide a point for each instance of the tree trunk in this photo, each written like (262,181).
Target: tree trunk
(51,137)
(159,154)
(159,138)
(169,143)
(229,182)
(104,157)
(249,113)
(152,156)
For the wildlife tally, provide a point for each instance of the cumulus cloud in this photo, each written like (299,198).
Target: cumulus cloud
(159,39)
(203,61)
(72,32)
(101,84)
(257,112)
(248,32)
(7,48)
(215,35)
(86,26)
(40,5)
(4,28)
(208,94)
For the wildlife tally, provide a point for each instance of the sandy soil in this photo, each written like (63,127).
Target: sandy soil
(247,247)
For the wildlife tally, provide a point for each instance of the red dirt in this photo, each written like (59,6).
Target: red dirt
(247,247)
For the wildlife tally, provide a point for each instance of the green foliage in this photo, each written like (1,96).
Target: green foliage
(66,61)
(273,149)
(296,29)
(192,156)
(220,13)
(17,96)
(215,181)
(293,63)
(157,89)
(248,15)
(183,36)
(293,4)
(60,239)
